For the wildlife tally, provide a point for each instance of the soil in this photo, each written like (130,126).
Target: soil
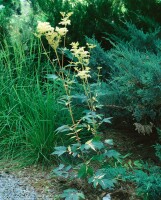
(46,185)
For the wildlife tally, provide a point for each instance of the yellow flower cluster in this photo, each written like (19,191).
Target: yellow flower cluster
(83,59)
(91,46)
(61,31)
(65,20)
(52,35)
(83,74)
(44,27)
(80,54)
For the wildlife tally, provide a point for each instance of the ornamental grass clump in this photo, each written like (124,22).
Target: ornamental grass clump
(29,110)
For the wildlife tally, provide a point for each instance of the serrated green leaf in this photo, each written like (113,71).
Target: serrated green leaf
(112,153)
(84,171)
(62,171)
(106,183)
(98,145)
(94,144)
(59,150)
(95,179)
(90,144)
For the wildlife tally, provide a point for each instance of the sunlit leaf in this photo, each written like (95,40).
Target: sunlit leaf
(95,144)
(109,141)
(59,151)
(107,120)
(106,183)
(63,128)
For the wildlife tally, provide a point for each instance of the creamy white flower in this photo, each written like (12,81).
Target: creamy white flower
(61,31)
(44,27)
(65,21)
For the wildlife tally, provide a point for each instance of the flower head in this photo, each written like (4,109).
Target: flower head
(65,21)
(74,45)
(65,18)
(80,53)
(53,36)
(44,27)
(91,46)
(61,31)
(84,74)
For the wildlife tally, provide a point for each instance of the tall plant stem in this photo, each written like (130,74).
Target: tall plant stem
(66,91)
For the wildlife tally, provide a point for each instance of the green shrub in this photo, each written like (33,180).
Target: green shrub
(142,90)
(133,85)
(148,182)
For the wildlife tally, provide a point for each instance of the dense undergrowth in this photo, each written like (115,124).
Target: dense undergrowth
(58,98)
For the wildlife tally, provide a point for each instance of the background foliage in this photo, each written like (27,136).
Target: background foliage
(132,71)
(87,19)
(127,36)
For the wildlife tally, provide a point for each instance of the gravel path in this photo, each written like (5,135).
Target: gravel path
(12,188)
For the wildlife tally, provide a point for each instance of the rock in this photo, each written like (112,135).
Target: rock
(107,197)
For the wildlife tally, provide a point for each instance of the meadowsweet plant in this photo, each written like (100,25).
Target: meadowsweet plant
(72,75)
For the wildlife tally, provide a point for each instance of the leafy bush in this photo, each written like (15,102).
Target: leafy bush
(134,83)
(141,88)
(148,182)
